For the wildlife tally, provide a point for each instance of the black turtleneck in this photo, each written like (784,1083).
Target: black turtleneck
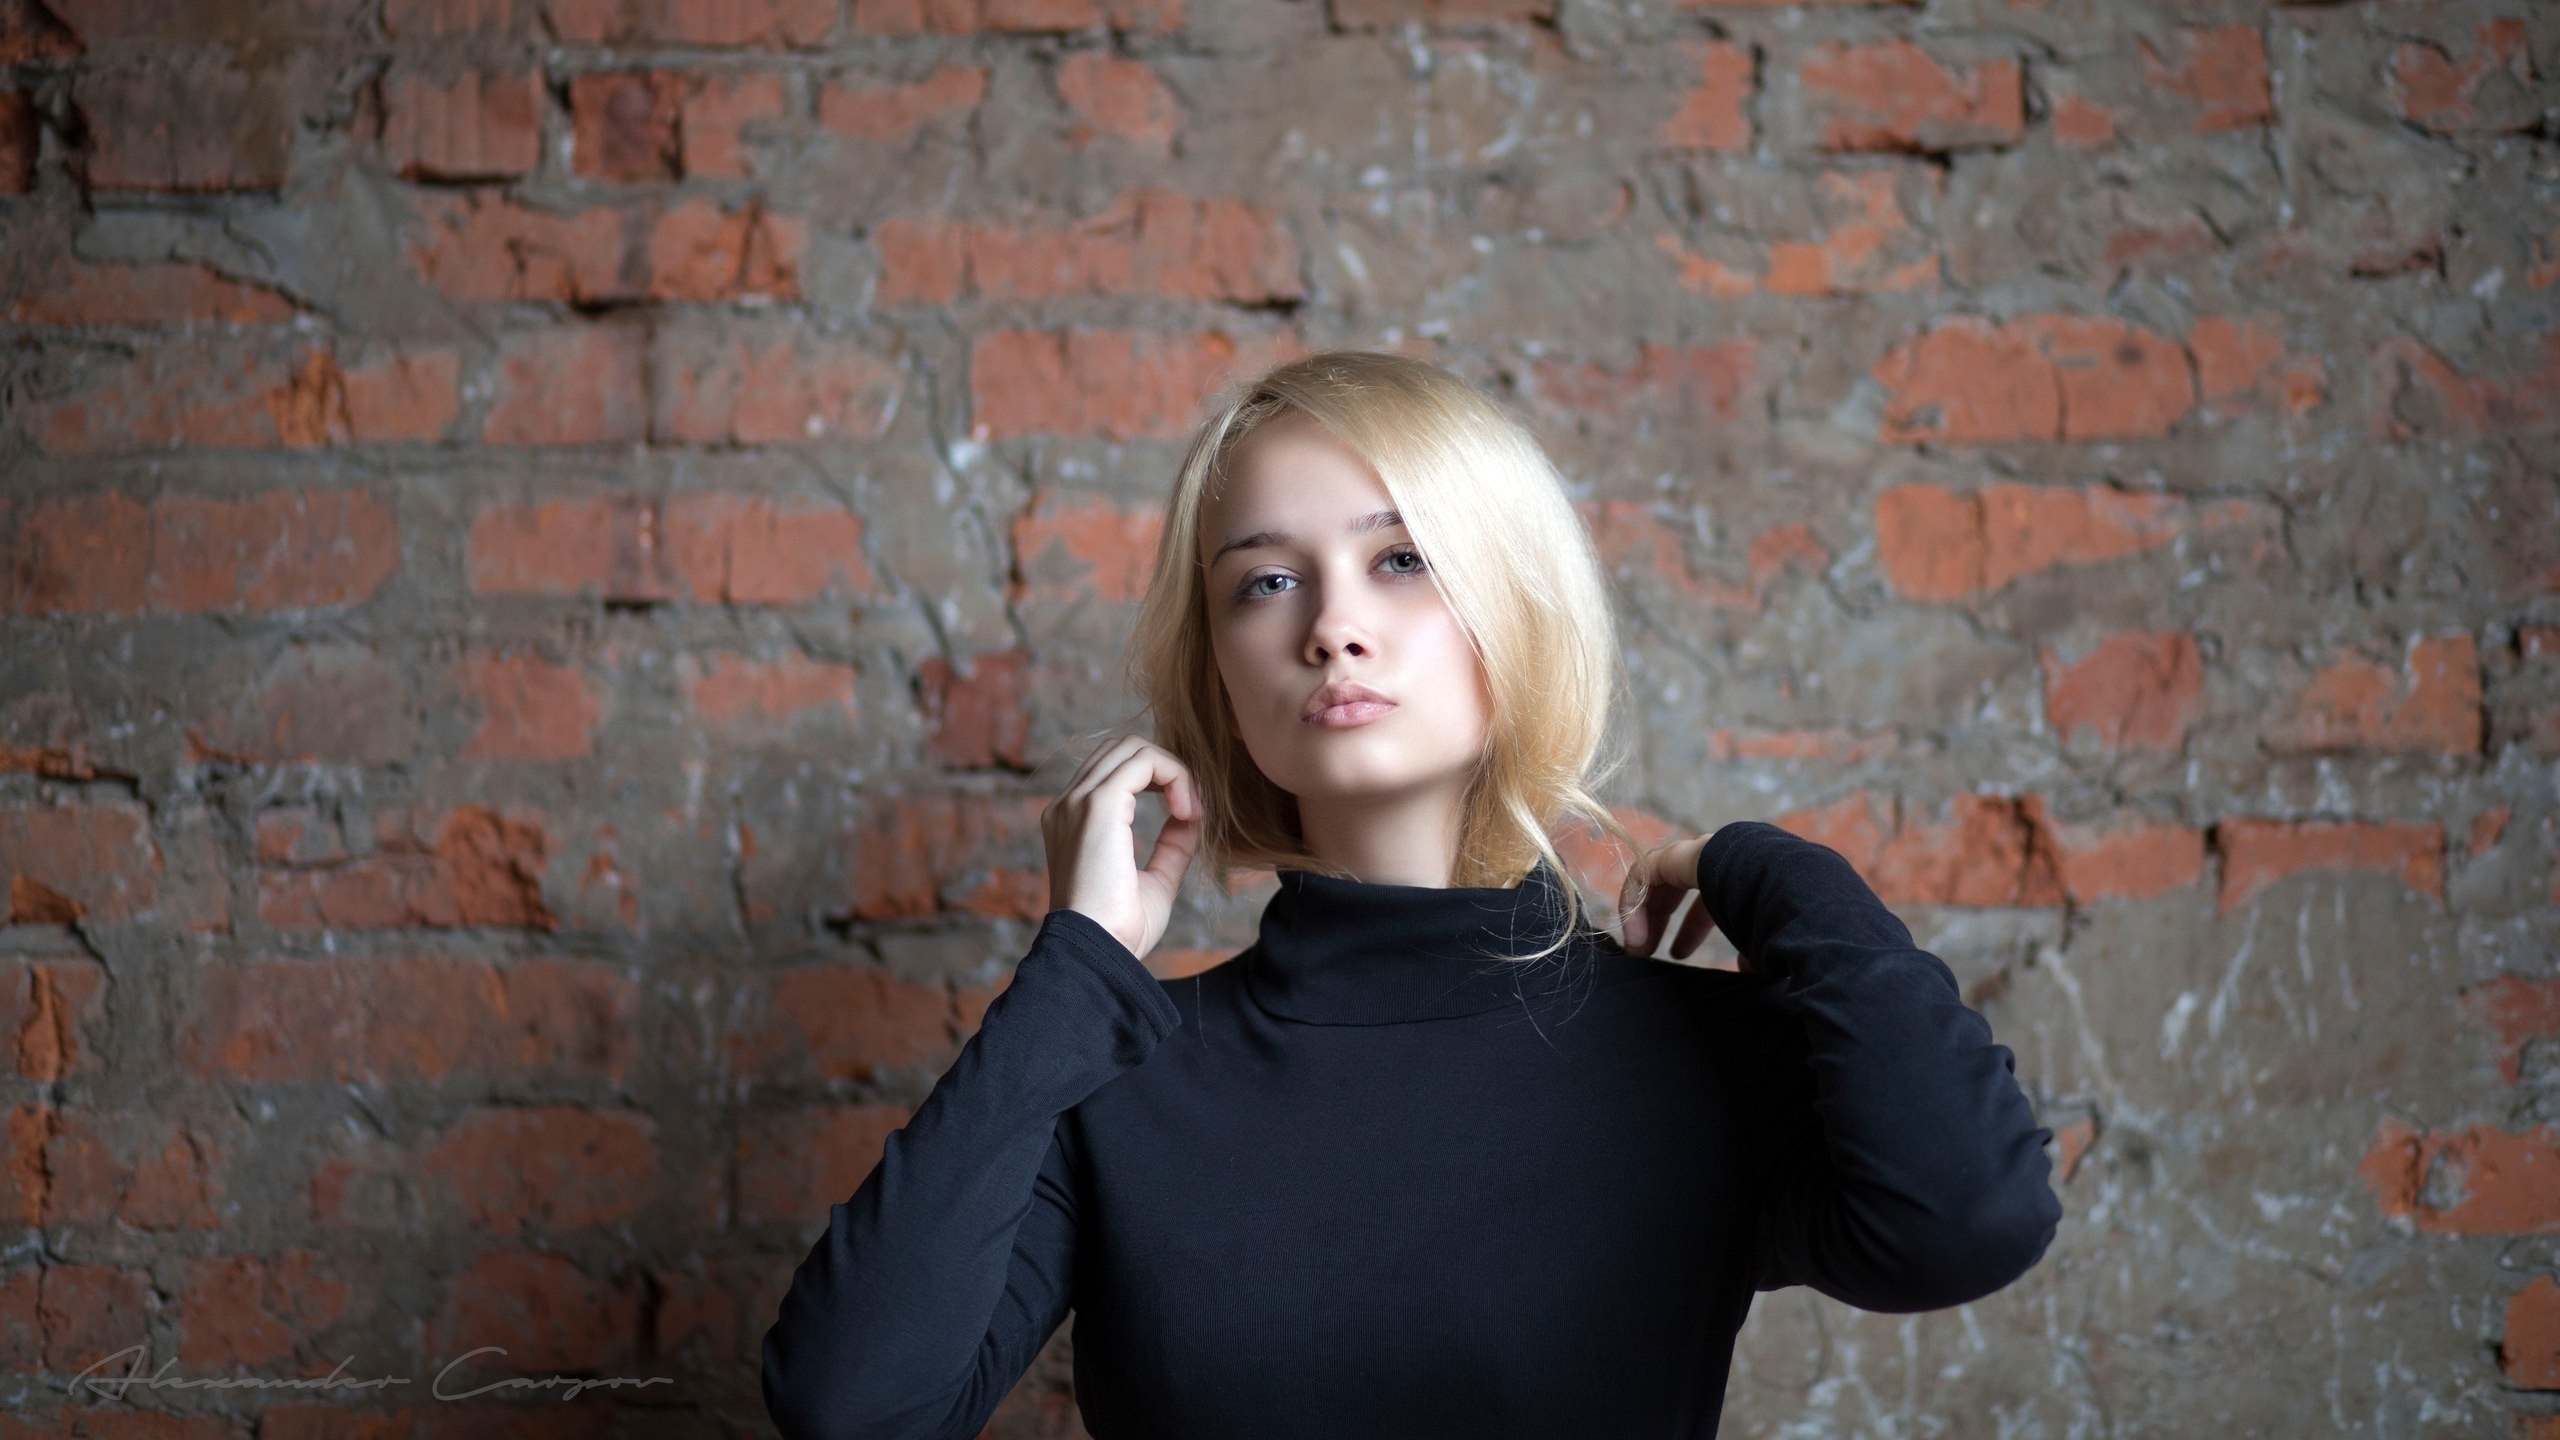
(1365,1181)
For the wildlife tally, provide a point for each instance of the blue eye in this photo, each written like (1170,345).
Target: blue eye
(1245,590)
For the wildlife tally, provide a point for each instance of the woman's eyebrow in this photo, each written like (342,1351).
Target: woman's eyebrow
(1374,520)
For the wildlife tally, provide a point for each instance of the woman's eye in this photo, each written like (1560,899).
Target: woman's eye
(1251,589)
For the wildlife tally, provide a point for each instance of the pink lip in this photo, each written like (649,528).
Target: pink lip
(1349,714)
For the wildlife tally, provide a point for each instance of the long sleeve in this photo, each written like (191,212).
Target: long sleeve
(939,1280)
(1913,1176)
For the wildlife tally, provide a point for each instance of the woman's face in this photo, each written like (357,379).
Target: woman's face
(1312,581)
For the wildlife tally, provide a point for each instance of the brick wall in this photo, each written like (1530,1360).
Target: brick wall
(552,551)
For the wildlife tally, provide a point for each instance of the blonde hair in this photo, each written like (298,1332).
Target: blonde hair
(1512,560)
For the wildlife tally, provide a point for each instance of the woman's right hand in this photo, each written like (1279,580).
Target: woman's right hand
(1091,834)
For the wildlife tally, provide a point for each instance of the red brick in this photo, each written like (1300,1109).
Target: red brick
(45,1008)
(2259,853)
(545,1169)
(697,251)
(2233,357)
(449,1420)
(1939,544)
(2415,389)
(719,111)
(605,548)
(2082,125)
(1672,382)
(711,24)
(2530,1353)
(245,1311)
(123,1423)
(28,31)
(767,698)
(765,382)
(923,855)
(628,125)
(196,122)
(2134,691)
(480,246)
(2499,1183)
(89,1312)
(79,554)
(275,550)
(980,720)
(700,1308)
(2438,91)
(2223,71)
(531,709)
(2519,1010)
(1147,242)
(792,1166)
(836,1022)
(21,142)
(1995,850)
(2486,827)
(1829,744)
(478,867)
(1108,552)
(440,19)
(740,550)
(326,702)
(969,17)
(1117,99)
(1632,540)
(1715,111)
(72,293)
(1112,384)
(2126,860)
(1897,96)
(2040,377)
(893,113)
(2430,701)
(25,1184)
(1378,14)
(484,125)
(543,1311)
(1869,246)
(141,1171)
(237,392)
(726,549)
(94,863)
(378,1021)
(570,385)
(402,396)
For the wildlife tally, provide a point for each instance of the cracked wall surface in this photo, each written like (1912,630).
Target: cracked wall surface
(551,552)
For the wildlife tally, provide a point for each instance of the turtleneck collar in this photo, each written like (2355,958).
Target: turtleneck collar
(1346,952)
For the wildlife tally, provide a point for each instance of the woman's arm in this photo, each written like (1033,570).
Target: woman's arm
(937,1283)
(1915,1177)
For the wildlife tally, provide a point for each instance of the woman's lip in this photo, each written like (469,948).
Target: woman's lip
(1350,713)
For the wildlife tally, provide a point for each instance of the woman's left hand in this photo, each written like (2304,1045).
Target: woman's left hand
(1654,886)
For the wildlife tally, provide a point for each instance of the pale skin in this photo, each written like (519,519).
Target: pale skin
(1311,579)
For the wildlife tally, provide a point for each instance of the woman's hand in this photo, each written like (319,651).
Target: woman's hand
(1652,891)
(1090,831)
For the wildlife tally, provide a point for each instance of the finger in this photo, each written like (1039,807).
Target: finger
(1150,768)
(1640,902)
(1661,898)
(1176,842)
(1104,758)
(1693,929)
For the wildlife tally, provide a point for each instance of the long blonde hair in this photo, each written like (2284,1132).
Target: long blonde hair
(1512,560)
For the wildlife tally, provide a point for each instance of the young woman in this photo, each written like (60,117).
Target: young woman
(1434,1156)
